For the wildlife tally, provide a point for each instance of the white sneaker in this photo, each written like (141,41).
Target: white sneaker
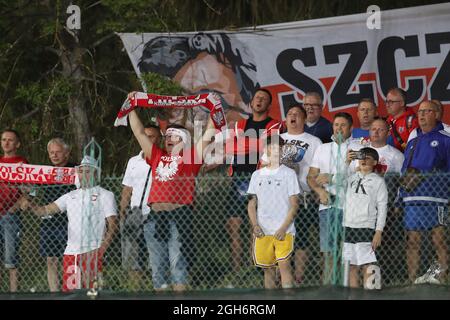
(431,276)
(422,279)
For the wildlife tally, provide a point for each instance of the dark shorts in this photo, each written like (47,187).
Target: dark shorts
(53,236)
(237,198)
(306,220)
(356,235)
(134,249)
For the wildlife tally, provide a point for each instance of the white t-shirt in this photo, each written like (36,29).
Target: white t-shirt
(297,154)
(87,210)
(301,155)
(391,159)
(135,176)
(330,158)
(273,187)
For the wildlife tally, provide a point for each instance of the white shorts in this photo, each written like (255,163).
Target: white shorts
(359,253)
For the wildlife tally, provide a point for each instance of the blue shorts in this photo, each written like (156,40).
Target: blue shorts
(53,236)
(424,217)
(330,224)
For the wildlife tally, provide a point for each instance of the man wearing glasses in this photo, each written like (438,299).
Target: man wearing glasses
(425,193)
(315,124)
(402,120)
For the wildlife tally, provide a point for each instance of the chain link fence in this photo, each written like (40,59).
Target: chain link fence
(217,239)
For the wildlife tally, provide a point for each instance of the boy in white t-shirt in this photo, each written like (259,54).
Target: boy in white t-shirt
(273,204)
(364,217)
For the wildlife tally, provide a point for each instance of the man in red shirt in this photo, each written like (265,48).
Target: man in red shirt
(9,220)
(169,224)
(402,120)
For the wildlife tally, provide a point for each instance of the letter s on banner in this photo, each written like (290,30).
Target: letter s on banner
(374,20)
(73,22)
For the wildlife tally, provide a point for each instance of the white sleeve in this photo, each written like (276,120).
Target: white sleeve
(293,187)
(251,186)
(109,206)
(316,159)
(382,200)
(399,159)
(128,176)
(61,202)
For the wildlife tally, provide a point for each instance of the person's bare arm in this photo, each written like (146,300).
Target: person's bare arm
(376,241)
(257,231)
(124,201)
(318,189)
(49,209)
(138,131)
(293,207)
(110,232)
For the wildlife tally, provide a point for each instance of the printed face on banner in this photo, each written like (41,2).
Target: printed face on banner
(206,73)
(204,63)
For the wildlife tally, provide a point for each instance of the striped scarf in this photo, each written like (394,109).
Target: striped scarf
(211,101)
(36,174)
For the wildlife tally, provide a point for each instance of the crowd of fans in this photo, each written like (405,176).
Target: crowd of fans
(287,177)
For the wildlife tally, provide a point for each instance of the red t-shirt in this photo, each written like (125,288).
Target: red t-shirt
(9,193)
(403,125)
(173,177)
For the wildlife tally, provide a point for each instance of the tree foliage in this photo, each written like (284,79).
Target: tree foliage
(55,82)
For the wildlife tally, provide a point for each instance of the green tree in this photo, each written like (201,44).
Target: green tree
(60,82)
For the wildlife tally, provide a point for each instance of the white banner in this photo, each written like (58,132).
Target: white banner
(344,58)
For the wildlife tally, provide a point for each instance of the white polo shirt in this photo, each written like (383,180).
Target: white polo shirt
(330,158)
(87,210)
(135,176)
(390,158)
(273,187)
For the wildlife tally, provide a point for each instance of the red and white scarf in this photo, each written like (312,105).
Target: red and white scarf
(36,174)
(211,101)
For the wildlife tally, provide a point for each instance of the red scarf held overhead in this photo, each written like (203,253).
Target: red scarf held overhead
(211,101)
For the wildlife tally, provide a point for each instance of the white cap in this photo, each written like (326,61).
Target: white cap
(89,161)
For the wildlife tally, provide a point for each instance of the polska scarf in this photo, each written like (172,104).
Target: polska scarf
(35,174)
(211,101)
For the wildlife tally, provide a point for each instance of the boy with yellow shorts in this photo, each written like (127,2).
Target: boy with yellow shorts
(273,204)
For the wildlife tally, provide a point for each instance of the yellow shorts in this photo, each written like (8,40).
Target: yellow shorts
(267,250)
